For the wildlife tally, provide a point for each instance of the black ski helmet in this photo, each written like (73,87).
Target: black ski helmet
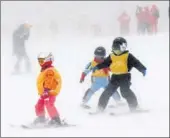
(100,51)
(119,43)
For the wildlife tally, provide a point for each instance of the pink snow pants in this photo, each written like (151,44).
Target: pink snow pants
(47,103)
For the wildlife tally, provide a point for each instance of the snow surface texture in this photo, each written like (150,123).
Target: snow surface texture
(19,93)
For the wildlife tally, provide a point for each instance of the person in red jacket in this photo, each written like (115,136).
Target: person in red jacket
(124,20)
(147,20)
(154,18)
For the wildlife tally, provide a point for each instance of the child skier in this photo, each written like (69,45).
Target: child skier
(48,85)
(120,62)
(100,78)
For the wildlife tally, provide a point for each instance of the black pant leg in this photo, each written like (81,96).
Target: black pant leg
(105,96)
(127,93)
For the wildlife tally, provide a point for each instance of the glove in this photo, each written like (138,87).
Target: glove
(144,73)
(82,77)
(45,93)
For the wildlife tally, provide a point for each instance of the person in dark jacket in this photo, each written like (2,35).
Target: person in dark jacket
(20,35)
(140,18)
(120,62)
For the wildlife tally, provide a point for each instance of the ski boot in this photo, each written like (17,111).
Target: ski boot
(85,106)
(56,121)
(138,110)
(40,120)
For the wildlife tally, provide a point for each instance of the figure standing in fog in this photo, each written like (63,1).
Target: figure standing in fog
(20,35)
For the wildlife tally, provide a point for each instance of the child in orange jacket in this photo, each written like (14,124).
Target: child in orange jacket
(48,85)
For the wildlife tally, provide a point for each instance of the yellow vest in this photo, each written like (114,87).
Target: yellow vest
(119,64)
(98,73)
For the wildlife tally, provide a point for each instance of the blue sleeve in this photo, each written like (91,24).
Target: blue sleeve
(88,68)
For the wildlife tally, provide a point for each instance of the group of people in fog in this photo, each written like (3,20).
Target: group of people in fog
(147,20)
(147,23)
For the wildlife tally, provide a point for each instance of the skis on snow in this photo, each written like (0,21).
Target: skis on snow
(120,114)
(46,126)
(129,113)
(41,126)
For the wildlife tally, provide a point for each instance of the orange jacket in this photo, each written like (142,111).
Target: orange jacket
(50,79)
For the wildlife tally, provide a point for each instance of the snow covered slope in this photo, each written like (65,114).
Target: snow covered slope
(19,95)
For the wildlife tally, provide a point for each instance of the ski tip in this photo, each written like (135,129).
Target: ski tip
(26,127)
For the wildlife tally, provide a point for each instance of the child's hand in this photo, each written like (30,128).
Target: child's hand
(82,77)
(144,73)
(45,93)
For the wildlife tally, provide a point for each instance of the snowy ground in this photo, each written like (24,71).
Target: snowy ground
(19,95)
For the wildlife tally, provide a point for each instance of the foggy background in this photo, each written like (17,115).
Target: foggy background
(66,29)
(64,24)
(75,17)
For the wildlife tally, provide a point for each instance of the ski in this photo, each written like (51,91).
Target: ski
(96,112)
(45,126)
(129,113)
(120,114)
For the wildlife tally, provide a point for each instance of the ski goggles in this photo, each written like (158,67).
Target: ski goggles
(41,60)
